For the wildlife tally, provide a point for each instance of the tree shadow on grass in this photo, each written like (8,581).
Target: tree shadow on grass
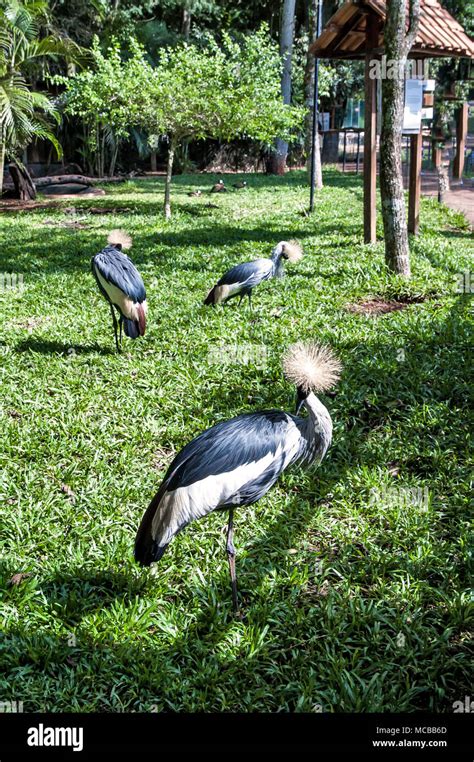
(152,249)
(44,346)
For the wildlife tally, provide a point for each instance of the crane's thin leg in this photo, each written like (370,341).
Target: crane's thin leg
(241,299)
(250,300)
(231,559)
(115,327)
(121,326)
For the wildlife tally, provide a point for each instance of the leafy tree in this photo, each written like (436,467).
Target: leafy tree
(107,99)
(155,23)
(195,92)
(218,92)
(25,114)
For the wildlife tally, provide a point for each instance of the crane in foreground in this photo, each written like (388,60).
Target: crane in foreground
(122,286)
(242,279)
(237,461)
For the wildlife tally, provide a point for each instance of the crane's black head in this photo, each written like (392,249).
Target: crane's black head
(278,253)
(281,251)
(301,395)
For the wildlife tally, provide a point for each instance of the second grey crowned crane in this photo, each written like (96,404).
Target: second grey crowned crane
(237,461)
(121,284)
(241,279)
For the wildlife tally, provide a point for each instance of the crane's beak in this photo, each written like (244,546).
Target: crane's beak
(300,398)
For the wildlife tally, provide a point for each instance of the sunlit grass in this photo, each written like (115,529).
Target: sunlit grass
(354,590)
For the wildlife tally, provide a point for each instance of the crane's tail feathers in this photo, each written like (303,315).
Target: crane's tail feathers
(142,310)
(135,327)
(210,297)
(293,251)
(120,238)
(217,294)
(311,366)
(131,328)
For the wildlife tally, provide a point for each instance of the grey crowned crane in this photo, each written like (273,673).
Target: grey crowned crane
(237,461)
(241,279)
(219,187)
(121,284)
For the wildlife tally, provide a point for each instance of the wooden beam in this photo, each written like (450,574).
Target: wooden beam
(461,133)
(414,188)
(370,133)
(347,28)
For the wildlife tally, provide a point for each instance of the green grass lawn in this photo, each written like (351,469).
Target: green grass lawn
(353,578)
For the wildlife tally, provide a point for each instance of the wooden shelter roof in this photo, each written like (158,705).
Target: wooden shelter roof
(439,34)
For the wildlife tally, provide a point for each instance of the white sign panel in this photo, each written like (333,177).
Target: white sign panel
(413,106)
(429,85)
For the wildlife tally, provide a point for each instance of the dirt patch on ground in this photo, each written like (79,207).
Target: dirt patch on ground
(30,324)
(72,224)
(108,210)
(378,306)
(13,205)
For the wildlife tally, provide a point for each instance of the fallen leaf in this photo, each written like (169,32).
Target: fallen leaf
(66,490)
(19,577)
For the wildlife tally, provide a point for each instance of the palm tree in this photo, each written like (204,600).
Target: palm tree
(26,114)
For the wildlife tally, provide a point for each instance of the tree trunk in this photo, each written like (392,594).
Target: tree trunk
(96,170)
(113,160)
(169,175)
(397,46)
(24,188)
(443,182)
(309,99)
(42,182)
(2,163)
(278,160)
(186,24)
(102,155)
(153,163)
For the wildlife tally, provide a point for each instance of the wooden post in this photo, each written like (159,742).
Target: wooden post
(370,133)
(461,132)
(416,143)
(435,154)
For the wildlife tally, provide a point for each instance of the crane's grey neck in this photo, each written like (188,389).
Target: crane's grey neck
(316,429)
(277,259)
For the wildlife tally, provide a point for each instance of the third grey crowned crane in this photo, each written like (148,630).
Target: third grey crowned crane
(241,279)
(237,461)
